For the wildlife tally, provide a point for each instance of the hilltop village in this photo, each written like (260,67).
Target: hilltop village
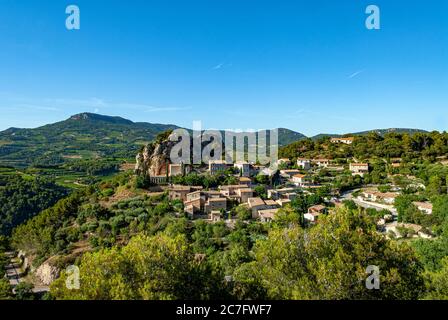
(239,230)
(256,192)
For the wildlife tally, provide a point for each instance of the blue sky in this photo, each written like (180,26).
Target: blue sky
(310,66)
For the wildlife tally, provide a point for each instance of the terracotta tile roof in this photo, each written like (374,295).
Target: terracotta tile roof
(212,192)
(195,192)
(254,202)
(180,188)
(217,200)
(317,208)
(235,186)
(412,226)
(283,201)
(217,162)
(343,139)
(382,194)
(270,203)
(269,213)
(359,164)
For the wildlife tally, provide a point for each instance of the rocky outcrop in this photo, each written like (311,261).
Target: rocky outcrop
(153,160)
(47,272)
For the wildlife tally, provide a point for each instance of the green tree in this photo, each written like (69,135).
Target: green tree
(262,179)
(3,263)
(434,186)
(247,284)
(233,257)
(350,204)
(431,251)
(21,199)
(38,234)
(243,212)
(437,283)
(24,291)
(329,261)
(440,208)
(288,217)
(149,268)
(407,211)
(5,290)
(261,191)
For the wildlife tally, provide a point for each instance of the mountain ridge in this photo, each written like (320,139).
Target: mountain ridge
(84,135)
(90,135)
(381,132)
(94,117)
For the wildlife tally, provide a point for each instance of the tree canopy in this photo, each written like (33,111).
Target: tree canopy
(22,199)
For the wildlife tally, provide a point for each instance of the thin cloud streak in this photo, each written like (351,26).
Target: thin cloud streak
(95,104)
(218,66)
(355,74)
(222,65)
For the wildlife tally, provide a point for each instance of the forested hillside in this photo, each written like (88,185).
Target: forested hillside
(283,264)
(140,250)
(21,199)
(131,242)
(391,145)
(142,247)
(82,136)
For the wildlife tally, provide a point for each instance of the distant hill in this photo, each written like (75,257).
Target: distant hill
(286,136)
(90,136)
(84,135)
(381,132)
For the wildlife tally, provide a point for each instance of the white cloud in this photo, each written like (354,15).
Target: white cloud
(222,65)
(218,66)
(355,74)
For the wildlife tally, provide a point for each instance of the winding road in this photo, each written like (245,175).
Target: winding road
(367,204)
(13,273)
(12,270)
